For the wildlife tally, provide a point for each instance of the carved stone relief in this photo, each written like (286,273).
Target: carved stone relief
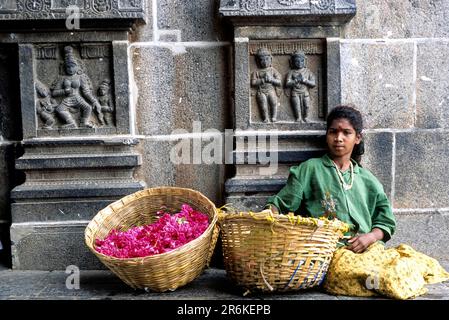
(73,87)
(252,5)
(267,82)
(56,9)
(287,81)
(269,7)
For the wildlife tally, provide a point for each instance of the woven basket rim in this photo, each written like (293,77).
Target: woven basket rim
(184,247)
(293,220)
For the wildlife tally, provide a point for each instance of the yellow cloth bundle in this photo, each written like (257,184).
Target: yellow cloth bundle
(399,273)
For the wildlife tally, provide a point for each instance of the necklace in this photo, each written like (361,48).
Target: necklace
(340,176)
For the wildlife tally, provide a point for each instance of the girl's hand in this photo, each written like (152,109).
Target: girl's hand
(360,242)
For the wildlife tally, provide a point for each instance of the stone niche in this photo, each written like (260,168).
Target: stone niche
(76,143)
(71,89)
(286,80)
(286,113)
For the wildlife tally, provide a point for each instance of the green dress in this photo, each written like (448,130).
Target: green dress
(315,182)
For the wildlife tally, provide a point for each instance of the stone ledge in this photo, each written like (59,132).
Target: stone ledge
(78,161)
(254,185)
(92,188)
(51,246)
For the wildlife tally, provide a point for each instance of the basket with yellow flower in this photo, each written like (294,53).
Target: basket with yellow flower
(269,252)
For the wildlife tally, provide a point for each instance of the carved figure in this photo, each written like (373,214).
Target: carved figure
(266,79)
(45,106)
(75,87)
(300,79)
(107,108)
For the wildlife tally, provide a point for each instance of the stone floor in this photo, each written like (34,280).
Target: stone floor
(104,285)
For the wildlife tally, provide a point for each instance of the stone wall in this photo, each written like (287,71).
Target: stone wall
(394,68)
(181,64)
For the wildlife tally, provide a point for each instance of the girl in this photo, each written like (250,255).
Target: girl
(337,185)
(337,181)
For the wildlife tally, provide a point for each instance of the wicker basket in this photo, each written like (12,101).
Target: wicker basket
(165,271)
(271,252)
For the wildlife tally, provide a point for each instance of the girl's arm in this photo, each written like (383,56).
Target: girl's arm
(290,197)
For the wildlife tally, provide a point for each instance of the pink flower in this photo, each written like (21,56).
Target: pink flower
(167,233)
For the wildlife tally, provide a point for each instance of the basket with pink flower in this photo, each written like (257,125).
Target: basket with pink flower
(158,239)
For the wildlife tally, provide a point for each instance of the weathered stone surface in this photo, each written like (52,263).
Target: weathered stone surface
(196,20)
(54,37)
(378,157)
(158,170)
(61,209)
(178,85)
(46,246)
(432,85)
(421,179)
(258,32)
(212,284)
(426,232)
(242,90)
(296,12)
(59,16)
(399,19)
(377,77)
(144,31)
(244,202)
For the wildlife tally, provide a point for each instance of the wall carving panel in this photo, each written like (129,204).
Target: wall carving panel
(290,86)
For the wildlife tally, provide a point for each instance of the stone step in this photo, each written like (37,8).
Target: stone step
(282,156)
(239,185)
(51,246)
(78,189)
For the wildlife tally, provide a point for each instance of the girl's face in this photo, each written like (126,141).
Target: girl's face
(341,138)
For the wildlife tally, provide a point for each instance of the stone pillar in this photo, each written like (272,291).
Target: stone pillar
(79,151)
(286,79)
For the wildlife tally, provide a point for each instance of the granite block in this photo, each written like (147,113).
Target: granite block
(425,232)
(143,31)
(399,19)
(196,20)
(51,246)
(158,169)
(421,175)
(59,210)
(432,84)
(377,77)
(378,157)
(178,85)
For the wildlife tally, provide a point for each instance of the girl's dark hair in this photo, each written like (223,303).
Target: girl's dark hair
(355,119)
